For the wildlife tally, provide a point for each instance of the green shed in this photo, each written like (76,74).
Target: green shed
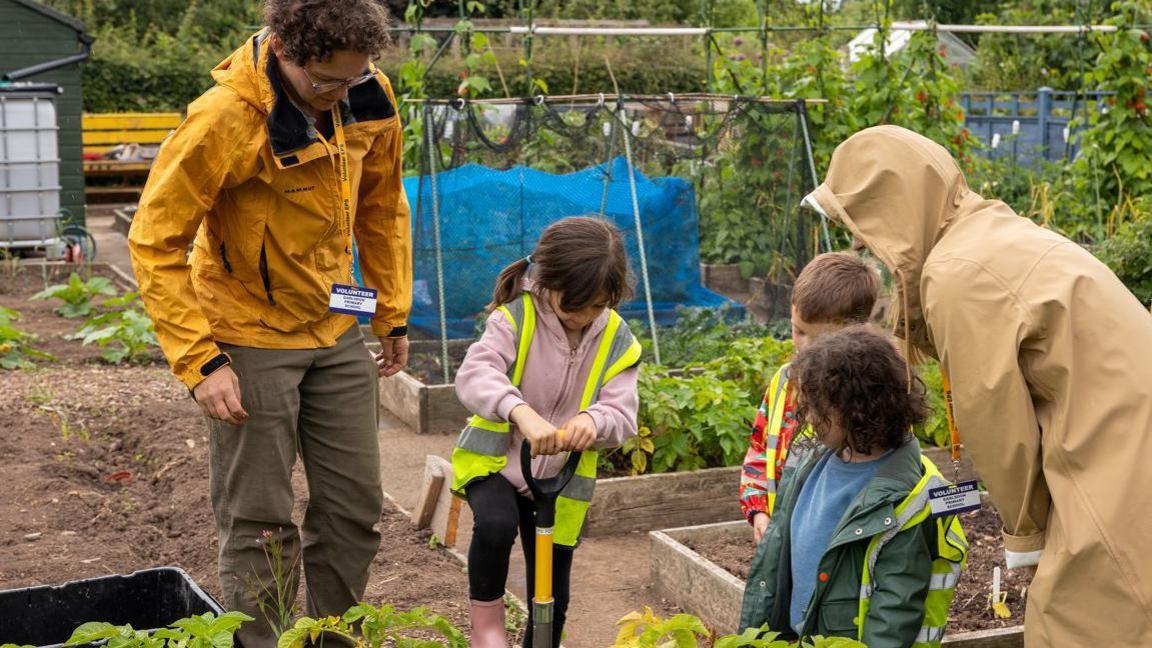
(39,44)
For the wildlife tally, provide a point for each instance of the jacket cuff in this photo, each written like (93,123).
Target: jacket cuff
(388,330)
(1018,560)
(504,407)
(597,420)
(193,369)
(1023,551)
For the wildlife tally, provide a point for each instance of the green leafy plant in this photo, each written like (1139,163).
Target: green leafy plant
(1013,62)
(77,295)
(368,626)
(699,417)
(126,333)
(645,629)
(1129,252)
(934,432)
(16,350)
(202,631)
(1117,144)
(699,335)
(515,617)
(638,449)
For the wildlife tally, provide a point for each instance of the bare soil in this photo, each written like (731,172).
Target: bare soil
(970,607)
(105,471)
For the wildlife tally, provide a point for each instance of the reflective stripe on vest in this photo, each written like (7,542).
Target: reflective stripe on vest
(775,418)
(483,445)
(949,557)
(490,438)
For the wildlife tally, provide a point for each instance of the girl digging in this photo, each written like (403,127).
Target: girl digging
(556,367)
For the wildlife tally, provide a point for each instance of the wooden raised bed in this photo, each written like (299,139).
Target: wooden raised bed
(694,583)
(426,408)
(703,588)
(660,501)
(725,279)
(670,500)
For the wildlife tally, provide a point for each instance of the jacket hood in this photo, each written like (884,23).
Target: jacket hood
(241,71)
(253,73)
(897,192)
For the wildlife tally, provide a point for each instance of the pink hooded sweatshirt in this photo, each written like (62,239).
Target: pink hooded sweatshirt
(552,383)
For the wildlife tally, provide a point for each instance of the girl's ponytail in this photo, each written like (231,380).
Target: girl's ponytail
(508,283)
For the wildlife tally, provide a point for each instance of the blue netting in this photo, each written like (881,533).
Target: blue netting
(489,218)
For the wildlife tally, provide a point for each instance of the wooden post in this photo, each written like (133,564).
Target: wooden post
(429,494)
(438,507)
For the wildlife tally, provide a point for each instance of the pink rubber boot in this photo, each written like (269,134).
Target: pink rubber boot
(486,619)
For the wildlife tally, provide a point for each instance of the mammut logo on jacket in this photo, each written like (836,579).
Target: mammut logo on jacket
(300,189)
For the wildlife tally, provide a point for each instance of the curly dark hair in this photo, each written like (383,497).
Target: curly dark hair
(312,29)
(857,378)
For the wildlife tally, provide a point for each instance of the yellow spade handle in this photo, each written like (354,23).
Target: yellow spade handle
(543,566)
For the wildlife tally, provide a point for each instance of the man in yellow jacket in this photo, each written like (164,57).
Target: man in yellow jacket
(288,159)
(1050,359)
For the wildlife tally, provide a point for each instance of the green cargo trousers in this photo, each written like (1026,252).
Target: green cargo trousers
(323,406)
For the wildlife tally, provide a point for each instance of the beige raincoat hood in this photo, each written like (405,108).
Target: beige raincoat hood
(1050,360)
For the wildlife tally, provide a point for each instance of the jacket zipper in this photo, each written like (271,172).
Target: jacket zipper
(224,258)
(265,277)
(564,386)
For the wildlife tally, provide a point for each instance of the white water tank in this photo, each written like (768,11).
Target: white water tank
(29,168)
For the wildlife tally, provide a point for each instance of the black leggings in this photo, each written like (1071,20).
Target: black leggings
(497,511)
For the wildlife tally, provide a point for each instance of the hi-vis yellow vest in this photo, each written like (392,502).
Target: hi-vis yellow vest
(948,558)
(775,398)
(483,445)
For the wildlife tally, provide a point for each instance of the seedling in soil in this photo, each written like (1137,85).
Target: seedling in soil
(647,630)
(77,295)
(201,631)
(125,335)
(368,626)
(16,350)
(277,602)
(59,418)
(40,395)
(515,618)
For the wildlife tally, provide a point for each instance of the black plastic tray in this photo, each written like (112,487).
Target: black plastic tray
(148,599)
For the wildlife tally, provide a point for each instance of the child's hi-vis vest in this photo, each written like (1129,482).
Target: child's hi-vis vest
(483,445)
(775,397)
(949,554)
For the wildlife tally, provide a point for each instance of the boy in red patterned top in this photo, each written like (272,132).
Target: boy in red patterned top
(834,290)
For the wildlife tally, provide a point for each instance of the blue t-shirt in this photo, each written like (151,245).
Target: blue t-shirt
(825,496)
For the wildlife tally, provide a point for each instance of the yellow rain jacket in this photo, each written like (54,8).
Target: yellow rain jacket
(247,179)
(1050,359)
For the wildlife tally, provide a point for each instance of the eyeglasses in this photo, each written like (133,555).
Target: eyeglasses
(329,86)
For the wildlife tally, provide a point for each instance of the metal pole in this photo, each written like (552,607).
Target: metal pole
(640,234)
(697,31)
(430,139)
(802,115)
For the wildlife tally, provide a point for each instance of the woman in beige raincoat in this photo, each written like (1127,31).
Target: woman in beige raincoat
(1050,360)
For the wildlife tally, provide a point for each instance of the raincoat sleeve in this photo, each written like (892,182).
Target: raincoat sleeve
(978,327)
(383,230)
(209,152)
(902,575)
